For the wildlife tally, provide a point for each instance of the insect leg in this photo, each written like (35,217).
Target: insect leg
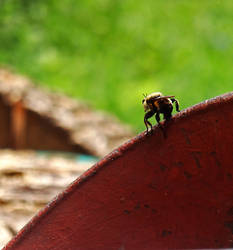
(177,104)
(157,117)
(146,117)
(168,112)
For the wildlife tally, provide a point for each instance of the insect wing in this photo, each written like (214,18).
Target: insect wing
(161,98)
(165,97)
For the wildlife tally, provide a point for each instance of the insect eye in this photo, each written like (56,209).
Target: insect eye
(143,100)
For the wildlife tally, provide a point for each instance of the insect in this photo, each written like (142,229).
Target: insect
(157,104)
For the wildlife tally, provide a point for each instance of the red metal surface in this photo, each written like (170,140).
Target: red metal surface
(151,193)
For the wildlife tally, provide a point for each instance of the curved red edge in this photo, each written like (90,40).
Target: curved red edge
(218,104)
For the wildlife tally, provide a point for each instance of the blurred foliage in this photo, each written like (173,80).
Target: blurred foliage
(110,52)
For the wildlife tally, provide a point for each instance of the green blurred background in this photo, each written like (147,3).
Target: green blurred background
(110,52)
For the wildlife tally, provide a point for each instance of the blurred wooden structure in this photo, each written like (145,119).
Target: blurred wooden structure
(33,118)
(151,193)
(29,180)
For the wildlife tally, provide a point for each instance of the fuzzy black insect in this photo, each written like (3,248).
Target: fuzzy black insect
(157,104)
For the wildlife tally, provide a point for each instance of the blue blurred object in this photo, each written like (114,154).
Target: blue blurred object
(68,155)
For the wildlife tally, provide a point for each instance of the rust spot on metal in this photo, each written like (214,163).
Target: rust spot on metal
(127,211)
(154,210)
(195,157)
(137,206)
(230,211)
(229,175)
(186,136)
(166,233)
(214,155)
(229,224)
(187,175)
(163,167)
(179,164)
(153,186)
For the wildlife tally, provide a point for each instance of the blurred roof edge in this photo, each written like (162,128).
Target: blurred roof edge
(94,131)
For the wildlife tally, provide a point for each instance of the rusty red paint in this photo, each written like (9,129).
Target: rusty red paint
(151,193)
